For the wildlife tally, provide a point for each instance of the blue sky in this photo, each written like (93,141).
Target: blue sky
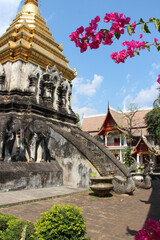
(99,79)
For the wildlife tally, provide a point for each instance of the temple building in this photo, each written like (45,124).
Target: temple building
(113,129)
(28,50)
(40,143)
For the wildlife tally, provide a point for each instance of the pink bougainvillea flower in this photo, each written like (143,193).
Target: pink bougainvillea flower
(108,39)
(158,80)
(108,17)
(97,19)
(133,27)
(141,35)
(150,232)
(74,35)
(116,17)
(83,46)
(142,234)
(122,55)
(118,21)
(96,41)
(114,55)
(155,40)
(152,224)
(80,30)
(93,24)
(89,31)
(132,46)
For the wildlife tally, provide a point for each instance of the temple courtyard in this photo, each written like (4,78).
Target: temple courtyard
(117,217)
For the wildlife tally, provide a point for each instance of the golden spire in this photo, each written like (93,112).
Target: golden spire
(31,1)
(30,6)
(29,39)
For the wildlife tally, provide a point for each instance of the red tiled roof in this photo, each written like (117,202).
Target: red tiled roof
(93,124)
(147,143)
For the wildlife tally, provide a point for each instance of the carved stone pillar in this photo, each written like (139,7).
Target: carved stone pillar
(2,77)
(64,85)
(59,95)
(34,79)
(69,98)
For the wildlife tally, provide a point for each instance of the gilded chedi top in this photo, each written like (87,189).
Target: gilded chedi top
(29,39)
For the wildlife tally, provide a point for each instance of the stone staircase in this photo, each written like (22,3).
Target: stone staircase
(102,159)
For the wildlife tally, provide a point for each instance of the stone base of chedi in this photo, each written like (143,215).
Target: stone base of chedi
(30,98)
(25,87)
(40,144)
(23,175)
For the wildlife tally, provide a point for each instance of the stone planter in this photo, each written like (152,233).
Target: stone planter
(106,179)
(137,176)
(101,186)
(102,189)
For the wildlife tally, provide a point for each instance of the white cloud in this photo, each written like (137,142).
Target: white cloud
(87,87)
(147,96)
(9,9)
(84,111)
(144,98)
(81,88)
(122,91)
(128,77)
(127,100)
(154,71)
(156,66)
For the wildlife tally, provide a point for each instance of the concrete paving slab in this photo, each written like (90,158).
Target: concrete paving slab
(21,196)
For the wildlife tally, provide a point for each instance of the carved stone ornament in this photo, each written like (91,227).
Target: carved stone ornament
(33,79)
(2,75)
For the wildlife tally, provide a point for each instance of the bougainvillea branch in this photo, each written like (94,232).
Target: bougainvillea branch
(89,37)
(150,232)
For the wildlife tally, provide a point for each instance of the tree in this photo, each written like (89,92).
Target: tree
(90,37)
(127,158)
(78,120)
(129,116)
(152,120)
(156,103)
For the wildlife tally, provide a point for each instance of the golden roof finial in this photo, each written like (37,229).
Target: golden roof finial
(31,1)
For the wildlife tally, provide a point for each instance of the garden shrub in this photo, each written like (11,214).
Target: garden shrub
(127,158)
(4,219)
(11,228)
(61,222)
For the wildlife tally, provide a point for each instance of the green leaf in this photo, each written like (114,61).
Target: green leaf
(141,21)
(158,48)
(147,47)
(117,35)
(155,44)
(157,24)
(145,28)
(105,30)
(151,19)
(136,52)
(130,29)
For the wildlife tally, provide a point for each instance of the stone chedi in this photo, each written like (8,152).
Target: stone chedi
(40,144)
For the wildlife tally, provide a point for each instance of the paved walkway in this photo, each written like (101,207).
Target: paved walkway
(16,197)
(117,217)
